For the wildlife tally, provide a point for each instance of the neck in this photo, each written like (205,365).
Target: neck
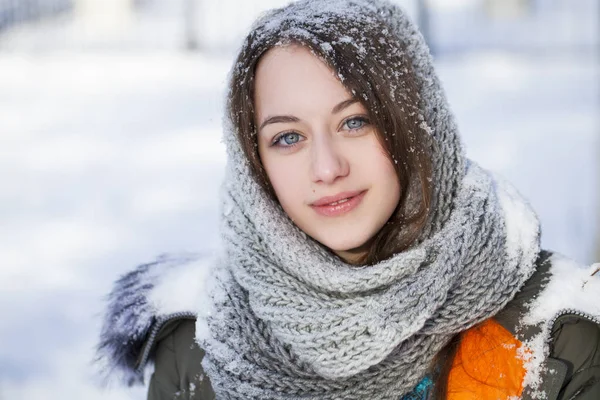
(354,256)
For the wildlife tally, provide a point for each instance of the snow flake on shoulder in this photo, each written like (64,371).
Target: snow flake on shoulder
(572,288)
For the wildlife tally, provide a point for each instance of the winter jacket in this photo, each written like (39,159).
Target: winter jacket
(493,361)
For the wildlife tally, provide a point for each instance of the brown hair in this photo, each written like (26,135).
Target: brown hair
(444,361)
(373,65)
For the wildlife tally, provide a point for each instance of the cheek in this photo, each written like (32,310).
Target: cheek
(287,178)
(389,179)
(387,171)
(380,171)
(373,161)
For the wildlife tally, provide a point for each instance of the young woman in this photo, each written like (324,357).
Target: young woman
(364,256)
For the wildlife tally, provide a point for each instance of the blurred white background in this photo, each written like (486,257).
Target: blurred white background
(110,153)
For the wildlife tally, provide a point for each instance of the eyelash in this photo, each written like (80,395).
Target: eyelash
(278,138)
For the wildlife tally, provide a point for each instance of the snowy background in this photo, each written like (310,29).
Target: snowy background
(110,153)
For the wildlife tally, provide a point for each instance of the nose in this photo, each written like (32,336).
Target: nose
(327,161)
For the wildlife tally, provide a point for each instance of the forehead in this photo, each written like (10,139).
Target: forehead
(291,78)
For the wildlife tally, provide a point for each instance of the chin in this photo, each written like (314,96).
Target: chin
(346,244)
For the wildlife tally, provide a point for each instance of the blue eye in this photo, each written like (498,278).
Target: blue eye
(355,123)
(288,139)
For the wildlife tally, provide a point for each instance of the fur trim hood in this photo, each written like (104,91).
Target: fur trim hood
(143,299)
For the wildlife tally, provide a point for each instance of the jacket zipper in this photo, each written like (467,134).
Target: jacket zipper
(160,322)
(578,313)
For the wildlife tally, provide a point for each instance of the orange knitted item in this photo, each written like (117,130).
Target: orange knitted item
(486,365)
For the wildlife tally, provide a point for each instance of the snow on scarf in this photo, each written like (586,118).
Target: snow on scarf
(288,320)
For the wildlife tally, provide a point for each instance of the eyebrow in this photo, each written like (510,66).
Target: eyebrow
(290,118)
(344,104)
(277,119)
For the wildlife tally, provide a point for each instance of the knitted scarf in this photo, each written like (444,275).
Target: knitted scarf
(287,320)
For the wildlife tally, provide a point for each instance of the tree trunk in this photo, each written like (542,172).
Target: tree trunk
(106,18)
(190,14)
(597,254)
(424,22)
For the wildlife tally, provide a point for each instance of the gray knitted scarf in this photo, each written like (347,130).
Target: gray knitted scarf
(290,321)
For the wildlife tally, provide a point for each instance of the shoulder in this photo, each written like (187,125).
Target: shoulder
(558,286)
(556,316)
(141,304)
(567,287)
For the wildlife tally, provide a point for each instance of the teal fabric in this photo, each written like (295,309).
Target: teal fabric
(421,391)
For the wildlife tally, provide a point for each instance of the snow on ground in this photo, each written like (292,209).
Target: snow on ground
(108,159)
(105,161)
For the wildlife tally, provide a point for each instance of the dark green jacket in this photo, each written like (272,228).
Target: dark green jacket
(169,343)
(575,353)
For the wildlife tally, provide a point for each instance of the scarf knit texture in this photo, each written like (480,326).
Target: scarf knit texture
(287,320)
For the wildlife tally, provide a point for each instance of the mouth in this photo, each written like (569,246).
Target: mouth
(342,203)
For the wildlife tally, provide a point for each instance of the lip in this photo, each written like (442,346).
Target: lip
(323,205)
(323,201)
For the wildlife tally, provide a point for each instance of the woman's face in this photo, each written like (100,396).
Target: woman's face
(320,152)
